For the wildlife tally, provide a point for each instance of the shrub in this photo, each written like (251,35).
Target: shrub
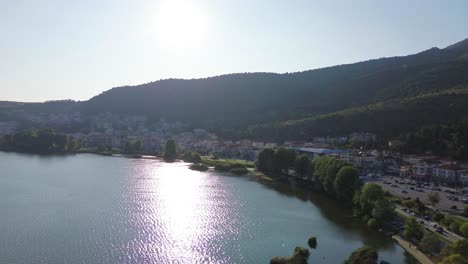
(364,255)
(464,229)
(300,256)
(455,227)
(240,171)
(430,243)
(312,242)
(199,167)
(372,223)
(224,168)
(438,216)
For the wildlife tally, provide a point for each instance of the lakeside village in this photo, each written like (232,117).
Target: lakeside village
(410,221)
(116,133)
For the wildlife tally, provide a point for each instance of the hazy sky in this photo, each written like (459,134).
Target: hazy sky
(58,49)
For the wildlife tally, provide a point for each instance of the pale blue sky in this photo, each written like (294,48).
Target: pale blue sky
(57,49)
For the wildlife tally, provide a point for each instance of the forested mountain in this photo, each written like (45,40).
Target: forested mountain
(237,101)
(388,96)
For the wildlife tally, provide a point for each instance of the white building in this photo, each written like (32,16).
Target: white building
(318,152)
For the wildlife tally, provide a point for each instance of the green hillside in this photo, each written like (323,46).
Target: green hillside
(388,119)
(231,103)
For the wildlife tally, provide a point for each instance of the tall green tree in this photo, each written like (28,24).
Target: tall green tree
(430,243)
(283,159)
(371,202)
(325,171)
(412,229)
(346,182)
(264,162)
(171,150)
(301,165)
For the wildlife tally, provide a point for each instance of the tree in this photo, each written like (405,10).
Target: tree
(300,256)
(312,242)
(411,204)
(171,150)
(372,223)
(324,174)
(382,210)
(459,247)
(283,159)
(412,229)
(370,202)
(438,216)
(433,197)
(264,162)
(369,194)
(430,243)
(465,210)
(454,259)
(190,156)
(464,229)
(363,255)
(301,164)
(346,182)
(455,226)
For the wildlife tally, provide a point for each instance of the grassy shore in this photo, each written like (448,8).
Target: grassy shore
(227,162)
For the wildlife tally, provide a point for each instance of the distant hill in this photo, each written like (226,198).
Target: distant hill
(236,101)
(387,95)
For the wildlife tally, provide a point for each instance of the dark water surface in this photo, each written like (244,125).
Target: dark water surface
(95,209)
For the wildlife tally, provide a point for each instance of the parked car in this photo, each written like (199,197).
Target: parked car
(453,207)
(403,191)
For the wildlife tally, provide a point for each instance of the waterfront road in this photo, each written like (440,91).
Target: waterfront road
(431,226)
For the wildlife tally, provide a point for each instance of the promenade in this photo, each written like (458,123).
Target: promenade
(421,257)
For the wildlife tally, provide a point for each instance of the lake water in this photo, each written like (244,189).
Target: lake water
(94,209)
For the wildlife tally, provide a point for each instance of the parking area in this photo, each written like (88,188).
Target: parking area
(407,189)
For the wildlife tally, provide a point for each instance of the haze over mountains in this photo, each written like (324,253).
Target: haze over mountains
(388,96)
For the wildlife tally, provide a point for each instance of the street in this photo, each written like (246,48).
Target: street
(431,226)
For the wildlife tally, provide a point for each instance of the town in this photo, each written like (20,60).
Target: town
(115,133)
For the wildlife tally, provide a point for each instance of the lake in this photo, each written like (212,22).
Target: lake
(94,209)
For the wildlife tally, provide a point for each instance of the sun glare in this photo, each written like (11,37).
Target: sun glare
(180,24)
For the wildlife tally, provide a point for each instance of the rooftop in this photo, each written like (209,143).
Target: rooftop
(321,150)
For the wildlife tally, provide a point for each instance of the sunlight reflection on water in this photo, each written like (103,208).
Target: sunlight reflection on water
(95,209)
(188,210)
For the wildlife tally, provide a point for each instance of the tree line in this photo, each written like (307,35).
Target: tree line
(333,177)
(443,140)
(39,141)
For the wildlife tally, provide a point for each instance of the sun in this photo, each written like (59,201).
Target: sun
(181,23)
